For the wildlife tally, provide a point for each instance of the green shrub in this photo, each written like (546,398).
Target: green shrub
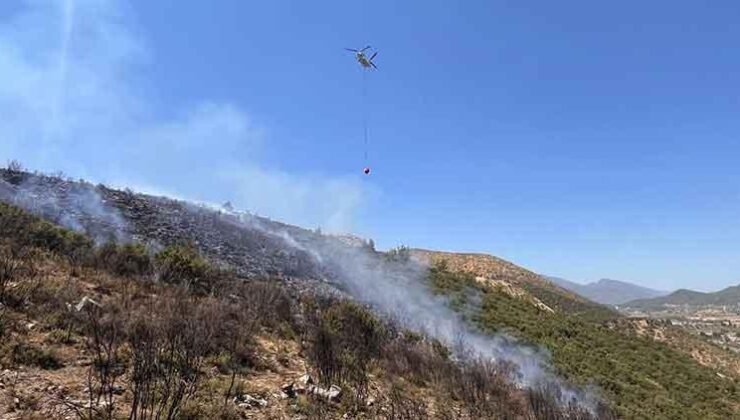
(209,409)
(24,230)
(183,265)
(124,260)
(31,355)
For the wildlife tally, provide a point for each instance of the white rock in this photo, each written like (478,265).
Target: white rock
(306,379)
(247,401)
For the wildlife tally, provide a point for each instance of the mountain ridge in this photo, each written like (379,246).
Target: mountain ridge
(727,296)
(608,291)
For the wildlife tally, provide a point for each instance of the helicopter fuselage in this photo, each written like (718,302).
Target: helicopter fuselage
(363,60)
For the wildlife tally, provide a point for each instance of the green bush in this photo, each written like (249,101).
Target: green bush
(183,265)
(24,230)
(124,260)
(31,355)
(209,409)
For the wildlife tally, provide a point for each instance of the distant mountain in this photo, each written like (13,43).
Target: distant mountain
(729,296)
(609,292)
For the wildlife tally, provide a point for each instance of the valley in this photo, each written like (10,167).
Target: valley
(717,324)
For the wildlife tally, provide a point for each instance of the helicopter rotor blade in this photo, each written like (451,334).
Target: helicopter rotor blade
(373,56)
(374,66)
(351,49)
(368,47)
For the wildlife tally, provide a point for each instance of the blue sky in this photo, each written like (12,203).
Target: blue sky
(578,139)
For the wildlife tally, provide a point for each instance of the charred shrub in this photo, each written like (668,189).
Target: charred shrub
(264,301)
(547,402)
(15,173)
(14,166)
(103,329)
(19,279)
(482,388)
(411,356)
(486,388)
(401,254)
(345,338)
(169,340)
(401,406)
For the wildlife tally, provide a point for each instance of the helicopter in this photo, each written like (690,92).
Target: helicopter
(364,61)
(367,64)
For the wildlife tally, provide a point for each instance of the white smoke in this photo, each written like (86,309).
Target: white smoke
(399,291)
(75,97)
(403,290)
(76,206)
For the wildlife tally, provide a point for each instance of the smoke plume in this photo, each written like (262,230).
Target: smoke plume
(75,97)
(76,206)
(399,291)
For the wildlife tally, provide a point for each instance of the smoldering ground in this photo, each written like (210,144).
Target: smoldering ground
(399,290)
(77,206)
(395,288)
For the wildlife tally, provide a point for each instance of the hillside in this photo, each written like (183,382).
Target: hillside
(548,337)
(526,282)
(120,331)
(254,246)
(725,361)
(645,374)
(726,297)
(607,291)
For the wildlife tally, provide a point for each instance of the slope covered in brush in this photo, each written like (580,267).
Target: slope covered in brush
(644,378)
(119,330)
(488,267)
(256,248)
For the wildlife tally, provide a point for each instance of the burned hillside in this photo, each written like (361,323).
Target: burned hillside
(81,339)
(256,247)
(253,246)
